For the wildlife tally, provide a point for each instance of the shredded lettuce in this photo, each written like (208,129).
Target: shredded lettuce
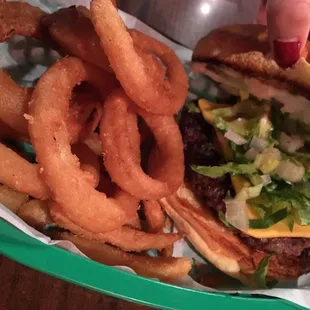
(192,107)
(300,204)
(249,108)
(219,171)
(224,112)
(283,122)
(258,209)
(260,275)
(247,128)
(289,221)
(223,219)
(238,152)
(249,192)
(302,158)
(270,220)
(295,199)
(279,200)
(255,179)
(224,126)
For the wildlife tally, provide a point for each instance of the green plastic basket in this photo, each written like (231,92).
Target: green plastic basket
(108,280)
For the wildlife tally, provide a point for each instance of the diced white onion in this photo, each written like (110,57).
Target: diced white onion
(268,161)
(259,143)
(237,214)
(266,179)
(251,154)
(234,137)
(290,144)
(265,127)
(290,172)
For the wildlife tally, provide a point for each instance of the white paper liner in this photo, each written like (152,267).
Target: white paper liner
(298,292)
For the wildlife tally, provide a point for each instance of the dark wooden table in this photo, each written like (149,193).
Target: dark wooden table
(184,21)
(22,288)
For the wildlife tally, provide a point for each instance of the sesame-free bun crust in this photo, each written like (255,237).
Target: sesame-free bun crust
(246,48)
(219,245)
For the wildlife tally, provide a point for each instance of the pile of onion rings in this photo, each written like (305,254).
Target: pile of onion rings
(127,53)
(100,122)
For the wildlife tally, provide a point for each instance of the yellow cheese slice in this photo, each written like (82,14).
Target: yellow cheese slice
(206,108)
(279,230)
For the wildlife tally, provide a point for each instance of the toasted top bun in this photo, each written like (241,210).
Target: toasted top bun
(245,48)
(219,245)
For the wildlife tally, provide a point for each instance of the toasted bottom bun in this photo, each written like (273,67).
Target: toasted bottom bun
(219,245)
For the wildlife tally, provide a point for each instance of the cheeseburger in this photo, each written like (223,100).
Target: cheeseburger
(245,205)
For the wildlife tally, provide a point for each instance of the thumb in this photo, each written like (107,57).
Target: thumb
(288,27)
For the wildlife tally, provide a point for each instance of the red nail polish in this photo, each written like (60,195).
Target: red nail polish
(286,53)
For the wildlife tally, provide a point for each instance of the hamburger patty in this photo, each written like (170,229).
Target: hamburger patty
(199,150)
(281,246)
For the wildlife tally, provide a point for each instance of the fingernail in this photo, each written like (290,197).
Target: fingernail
(286,53)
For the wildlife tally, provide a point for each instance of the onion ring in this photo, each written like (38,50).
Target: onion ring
(20,175)
(166,252)
(93,141)
(85,207)
(127,239)
(154,215)
(165,269)
(106,186)
(121,159)
(84,115)
(159,165)
(20,18)
(90,163)
(110,189)
(13,103)
(165,97)
(134,223)
(156,221)
(7,132)
(145,132)
(74,32)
